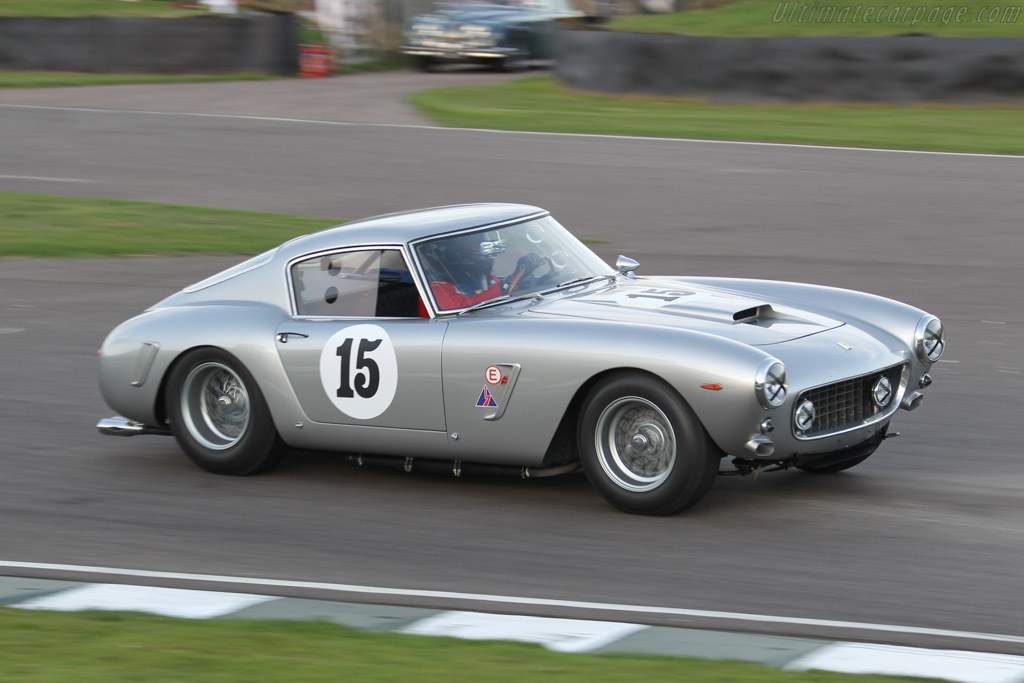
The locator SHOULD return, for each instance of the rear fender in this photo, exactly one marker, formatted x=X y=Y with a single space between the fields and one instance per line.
x=246 y=331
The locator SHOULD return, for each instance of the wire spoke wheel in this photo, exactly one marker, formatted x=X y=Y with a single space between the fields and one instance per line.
x=635 y=442
x=642 y=446
x=215 y=405
x=219 y=416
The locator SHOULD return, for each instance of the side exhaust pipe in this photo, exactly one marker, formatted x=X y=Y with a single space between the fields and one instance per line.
x=122 y=426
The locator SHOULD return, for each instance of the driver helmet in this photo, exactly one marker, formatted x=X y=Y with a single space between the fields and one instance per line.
x=467 y=260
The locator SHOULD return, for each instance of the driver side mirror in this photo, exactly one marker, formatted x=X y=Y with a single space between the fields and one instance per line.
x=626 y=265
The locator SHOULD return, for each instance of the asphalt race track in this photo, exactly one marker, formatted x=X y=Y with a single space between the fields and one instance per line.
x=928 y=533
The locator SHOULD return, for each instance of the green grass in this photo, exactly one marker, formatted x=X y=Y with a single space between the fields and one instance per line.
x=79 y=8
x=48 y=226
x=836 y=17
x=100 y=647
x=541 y=104
x=59 y=79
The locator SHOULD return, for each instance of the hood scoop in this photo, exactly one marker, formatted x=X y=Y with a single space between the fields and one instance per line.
x=745 y=319
x=712 y=309
x=752 y=315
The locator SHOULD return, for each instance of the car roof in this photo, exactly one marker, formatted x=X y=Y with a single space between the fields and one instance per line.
x=407 y=226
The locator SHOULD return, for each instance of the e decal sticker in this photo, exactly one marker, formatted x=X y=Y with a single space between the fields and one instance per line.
x=493 y=375
x=359 y=371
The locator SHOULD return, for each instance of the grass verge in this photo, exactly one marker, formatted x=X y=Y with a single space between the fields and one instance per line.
x=541 y=104
x=60 y=79
x=81 y=8
x=107 y=646
x=48 y=226
x=969 y=18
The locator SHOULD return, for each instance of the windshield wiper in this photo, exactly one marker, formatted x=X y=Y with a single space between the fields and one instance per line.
x=503 y=299
x=577 y=281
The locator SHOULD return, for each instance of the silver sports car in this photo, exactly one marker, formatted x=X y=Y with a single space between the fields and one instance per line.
x=486 y=337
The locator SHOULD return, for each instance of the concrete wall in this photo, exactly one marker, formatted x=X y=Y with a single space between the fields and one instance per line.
x=260 y=43
x=827 y=69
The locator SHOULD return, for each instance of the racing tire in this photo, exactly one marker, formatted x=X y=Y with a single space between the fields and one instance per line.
x=643 y=448
x=514 y=63
x=219 y=416
x=834 y=467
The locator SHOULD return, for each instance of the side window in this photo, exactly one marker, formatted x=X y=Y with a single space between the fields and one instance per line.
x=364 y=284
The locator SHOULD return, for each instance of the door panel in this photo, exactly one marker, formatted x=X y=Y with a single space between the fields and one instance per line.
x=373 y=371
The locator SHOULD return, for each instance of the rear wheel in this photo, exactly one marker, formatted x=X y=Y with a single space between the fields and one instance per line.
x=219 y=416
x=643 y=448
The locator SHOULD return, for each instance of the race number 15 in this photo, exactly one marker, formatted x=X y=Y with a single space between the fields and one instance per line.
x=367 y=377
x=666 y=295
x=359 y=371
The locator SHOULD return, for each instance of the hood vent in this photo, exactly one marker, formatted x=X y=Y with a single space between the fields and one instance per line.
x=754 y=315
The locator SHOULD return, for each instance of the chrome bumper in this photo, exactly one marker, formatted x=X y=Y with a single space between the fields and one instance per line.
x=122 y=426
x=455 y=52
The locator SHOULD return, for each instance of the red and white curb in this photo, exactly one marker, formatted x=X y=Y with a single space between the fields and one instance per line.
x=562 y=635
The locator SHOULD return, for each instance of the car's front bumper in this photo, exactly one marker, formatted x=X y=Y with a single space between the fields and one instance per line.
x=455 y=52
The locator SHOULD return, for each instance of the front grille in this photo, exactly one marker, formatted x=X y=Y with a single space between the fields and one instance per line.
x=848 y=403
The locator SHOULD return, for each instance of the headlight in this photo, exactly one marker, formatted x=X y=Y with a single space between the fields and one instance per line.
x=881 y=392
x=930 y=339
x=424 y=28
x=770 y=383
x=803 y=418
x=470 y=28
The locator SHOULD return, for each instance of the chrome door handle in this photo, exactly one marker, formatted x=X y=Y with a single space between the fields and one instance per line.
x=283 y=336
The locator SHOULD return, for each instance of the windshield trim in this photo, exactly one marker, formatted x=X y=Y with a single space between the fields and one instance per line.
x=414 y=252
x=431 y=301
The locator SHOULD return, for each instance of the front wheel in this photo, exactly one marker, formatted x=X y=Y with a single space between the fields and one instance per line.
x=219 y=416
x=643 y=448
x=513 y=63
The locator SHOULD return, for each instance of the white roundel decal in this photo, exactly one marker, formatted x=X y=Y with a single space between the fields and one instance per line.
x=359 y=371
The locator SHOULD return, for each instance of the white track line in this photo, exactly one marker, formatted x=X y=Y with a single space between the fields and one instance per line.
x=508 y=599
x=282 y=119
x=45 y=178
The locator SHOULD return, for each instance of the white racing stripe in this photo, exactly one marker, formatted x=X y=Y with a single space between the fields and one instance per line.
x=508 y=599
x=284 y=119
x=951 y=665
x=561 y=635
x=170 y=602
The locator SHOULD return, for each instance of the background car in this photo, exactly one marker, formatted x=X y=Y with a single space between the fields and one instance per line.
x=505 y=34
x=487 y=336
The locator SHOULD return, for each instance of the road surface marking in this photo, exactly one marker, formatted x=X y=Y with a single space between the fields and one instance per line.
x=283 y=119
x=170 y=602
x=45 y=178
x=516 y=600
x=952 y=665
x=561 y=635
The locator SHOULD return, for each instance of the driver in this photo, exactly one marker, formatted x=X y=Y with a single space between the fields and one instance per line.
x=460 y=270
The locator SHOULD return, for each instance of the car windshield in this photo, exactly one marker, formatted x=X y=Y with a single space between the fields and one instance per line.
x=470 y=268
